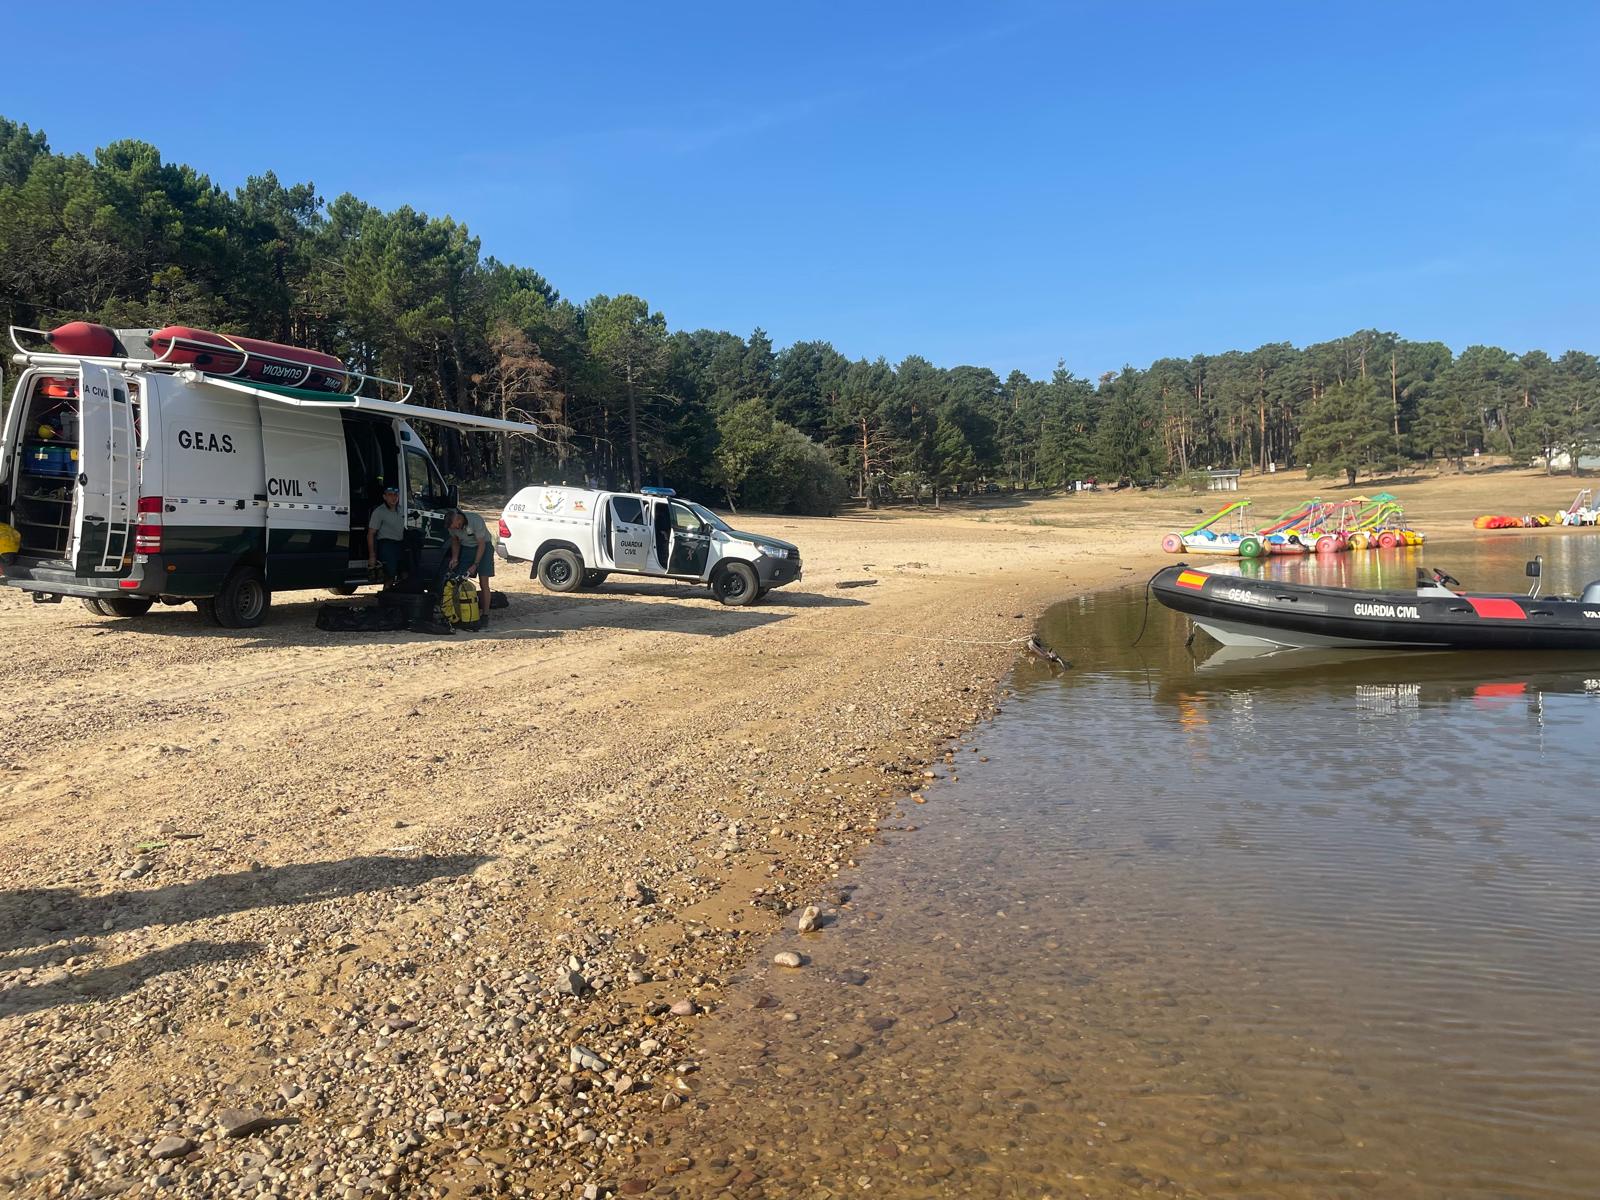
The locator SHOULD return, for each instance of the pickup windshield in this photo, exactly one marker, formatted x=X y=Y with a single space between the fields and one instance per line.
x=709 y=517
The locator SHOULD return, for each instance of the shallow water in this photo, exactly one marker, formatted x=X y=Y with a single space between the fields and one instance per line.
x=1186 y=922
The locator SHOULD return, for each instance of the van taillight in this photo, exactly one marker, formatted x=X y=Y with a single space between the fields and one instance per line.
x=505 y=530
x=147 y=533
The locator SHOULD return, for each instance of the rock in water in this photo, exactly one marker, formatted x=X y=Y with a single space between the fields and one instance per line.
x=787 y=958
x=810 y=919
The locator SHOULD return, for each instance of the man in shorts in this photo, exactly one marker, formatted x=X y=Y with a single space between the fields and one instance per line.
x=471 y=554
x=386 y=535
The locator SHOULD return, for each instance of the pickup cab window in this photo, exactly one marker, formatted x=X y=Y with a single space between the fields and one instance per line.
x=685 y=519
x=628 y=510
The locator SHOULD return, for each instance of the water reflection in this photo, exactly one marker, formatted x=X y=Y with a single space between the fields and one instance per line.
x=1294 y=925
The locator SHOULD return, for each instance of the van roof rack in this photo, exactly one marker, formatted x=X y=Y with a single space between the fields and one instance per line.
x=356 y=383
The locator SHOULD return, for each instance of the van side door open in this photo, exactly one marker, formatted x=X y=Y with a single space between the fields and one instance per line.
x=629 y=538
x=308 y=497
x=107 y=476
x=425 y=501
x=691 y=542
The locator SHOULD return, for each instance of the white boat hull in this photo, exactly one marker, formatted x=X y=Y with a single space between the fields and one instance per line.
x=1234 y=633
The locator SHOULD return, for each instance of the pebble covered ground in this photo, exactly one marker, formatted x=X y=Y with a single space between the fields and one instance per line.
x=294 y=913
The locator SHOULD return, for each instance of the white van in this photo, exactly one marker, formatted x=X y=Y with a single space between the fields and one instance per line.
x=575 y=537
x=132 y=480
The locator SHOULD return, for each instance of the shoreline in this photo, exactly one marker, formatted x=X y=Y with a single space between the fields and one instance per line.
x=375 y=890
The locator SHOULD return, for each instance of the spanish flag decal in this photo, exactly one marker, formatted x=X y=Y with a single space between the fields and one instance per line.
x=1191 y=579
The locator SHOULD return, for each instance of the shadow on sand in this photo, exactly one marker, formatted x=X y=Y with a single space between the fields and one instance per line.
x=38 y=917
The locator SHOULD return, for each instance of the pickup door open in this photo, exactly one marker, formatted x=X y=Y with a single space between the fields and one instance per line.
x=691 y=543
x=629 y=540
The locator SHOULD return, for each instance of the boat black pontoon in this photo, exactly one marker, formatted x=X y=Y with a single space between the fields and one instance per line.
x=1267 y=612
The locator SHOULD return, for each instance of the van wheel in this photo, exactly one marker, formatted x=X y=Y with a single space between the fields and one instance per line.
x=126 y=606
x=736 y=585
x=95 y=606
x=243 y=601
x=594 y=578
x=344 y=589
x=561 y=571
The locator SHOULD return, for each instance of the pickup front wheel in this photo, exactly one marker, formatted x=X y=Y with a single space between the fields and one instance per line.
x=736 y=584
x=561 y=571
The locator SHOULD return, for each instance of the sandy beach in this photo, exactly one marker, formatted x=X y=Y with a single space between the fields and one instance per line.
x=286 y=912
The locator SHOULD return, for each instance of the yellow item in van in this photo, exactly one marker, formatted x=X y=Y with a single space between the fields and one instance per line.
x=10 y=539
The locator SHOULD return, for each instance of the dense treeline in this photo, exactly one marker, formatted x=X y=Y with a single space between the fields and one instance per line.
x=129 y=240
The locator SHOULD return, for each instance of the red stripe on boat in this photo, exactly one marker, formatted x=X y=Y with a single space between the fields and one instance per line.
x=1500 y=689
x=1495 y=606
x=1191 y=579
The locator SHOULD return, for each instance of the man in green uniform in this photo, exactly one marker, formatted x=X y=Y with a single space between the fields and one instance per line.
x=386 y=533
x=471 y=554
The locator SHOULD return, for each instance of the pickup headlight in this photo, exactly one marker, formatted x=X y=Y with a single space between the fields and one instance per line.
x=775 y=552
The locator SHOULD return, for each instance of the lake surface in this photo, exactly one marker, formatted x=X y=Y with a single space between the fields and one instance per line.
x=1192 y=923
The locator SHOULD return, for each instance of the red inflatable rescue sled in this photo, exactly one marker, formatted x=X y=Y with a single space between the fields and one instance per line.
x=84 y=338
x=250 y=358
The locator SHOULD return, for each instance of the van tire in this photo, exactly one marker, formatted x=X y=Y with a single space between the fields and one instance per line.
x=561 y=571
x=94 y=607
x=594 y=578
x=244 y=601
x=344 y=589
x=736 y=585
x=126 y=606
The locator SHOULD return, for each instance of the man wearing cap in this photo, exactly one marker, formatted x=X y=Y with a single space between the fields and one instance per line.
x=386 y=532
x=471 y=554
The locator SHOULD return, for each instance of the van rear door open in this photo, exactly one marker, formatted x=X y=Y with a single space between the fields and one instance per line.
x=106 y=483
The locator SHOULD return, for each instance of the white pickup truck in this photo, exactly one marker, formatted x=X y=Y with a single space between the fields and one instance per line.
x=575 y=537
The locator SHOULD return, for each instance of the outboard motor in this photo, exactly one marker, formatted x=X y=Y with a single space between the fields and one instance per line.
x=1591 y=593
x=1533 y=570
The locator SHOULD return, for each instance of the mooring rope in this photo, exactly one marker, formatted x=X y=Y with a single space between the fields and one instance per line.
x=1145 y=620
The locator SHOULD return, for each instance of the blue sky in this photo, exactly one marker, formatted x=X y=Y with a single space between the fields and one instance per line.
x=1003 y=184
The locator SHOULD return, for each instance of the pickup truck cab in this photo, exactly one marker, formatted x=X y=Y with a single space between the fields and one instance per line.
x=575 y=537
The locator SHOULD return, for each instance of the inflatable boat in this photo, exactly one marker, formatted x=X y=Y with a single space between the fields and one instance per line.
x=1238 y=611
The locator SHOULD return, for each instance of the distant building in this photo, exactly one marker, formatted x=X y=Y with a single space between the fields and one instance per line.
x=1561 y=460
x=1223 y=481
